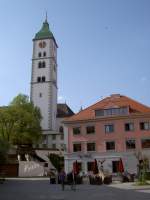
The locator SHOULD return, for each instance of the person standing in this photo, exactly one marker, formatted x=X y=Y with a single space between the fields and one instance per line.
x=62 y=177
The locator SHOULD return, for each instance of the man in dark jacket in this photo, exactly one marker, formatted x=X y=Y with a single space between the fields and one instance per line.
x=62 y=177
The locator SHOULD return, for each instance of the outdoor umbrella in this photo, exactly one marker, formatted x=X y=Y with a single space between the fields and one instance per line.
x=95 y=167
x=120 y=166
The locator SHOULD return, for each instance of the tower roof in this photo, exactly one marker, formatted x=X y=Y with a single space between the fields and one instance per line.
x=44 y=32
x=63 y=110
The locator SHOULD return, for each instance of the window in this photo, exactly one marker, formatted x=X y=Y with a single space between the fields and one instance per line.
x=53 y=137
x=144 y=125
x=61 y=129
x=39 y=54
x=40 y=94
x=109 y=128
x=91 y=146
x=110 y=145
x=76 y=147
x=54 y=67
x=129 y=127
x=111 y=111
x=90 y=129
x=44 y=54
x=53 y=146
x=145 y=143
x=62 y=146
x=45 y=164
x=90 y=166
x=44 y=145
x=43 y=78
x=62 y=136
x=42 y=44
x=43 y=64
x=38 y=79
x=39 y=65
x=130 y=144
x=76 y=130
x=99 y=113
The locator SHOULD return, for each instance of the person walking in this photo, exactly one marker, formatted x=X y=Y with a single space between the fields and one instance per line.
x=62 y=177
x=71 y=179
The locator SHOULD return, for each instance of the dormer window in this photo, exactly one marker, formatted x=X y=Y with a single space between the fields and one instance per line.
x=111 y=112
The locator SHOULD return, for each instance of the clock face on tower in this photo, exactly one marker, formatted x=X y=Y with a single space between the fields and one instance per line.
x=42 y=44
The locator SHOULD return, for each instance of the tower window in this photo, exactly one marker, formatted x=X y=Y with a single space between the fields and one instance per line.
x=39 y=65
x=40 y=94
x=54 y=68
x=39 y=54
x=44 y=54
x=43 y=64
x=38 y=79
x=42 y=44
x=43 y=78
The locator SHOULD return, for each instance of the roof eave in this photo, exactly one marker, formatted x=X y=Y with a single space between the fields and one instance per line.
x=135 y=115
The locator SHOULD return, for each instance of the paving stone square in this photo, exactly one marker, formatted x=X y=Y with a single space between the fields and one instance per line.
x=42 y=190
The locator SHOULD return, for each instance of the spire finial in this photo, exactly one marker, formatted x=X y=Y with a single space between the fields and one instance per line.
x=46 y=17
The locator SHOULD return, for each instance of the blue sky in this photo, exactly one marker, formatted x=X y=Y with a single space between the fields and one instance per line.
x=104 y=48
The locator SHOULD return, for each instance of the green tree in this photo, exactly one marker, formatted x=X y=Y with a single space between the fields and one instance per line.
x=8 y=119
x=56 y=160
x=20 y=121
x=4 y=147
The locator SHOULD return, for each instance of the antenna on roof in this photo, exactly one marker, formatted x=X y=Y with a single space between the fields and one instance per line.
x=81 y=109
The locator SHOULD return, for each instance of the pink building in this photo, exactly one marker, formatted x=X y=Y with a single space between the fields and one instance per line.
x=113 y=128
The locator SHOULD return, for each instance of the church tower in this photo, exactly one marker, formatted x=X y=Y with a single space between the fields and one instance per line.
x=44 y=77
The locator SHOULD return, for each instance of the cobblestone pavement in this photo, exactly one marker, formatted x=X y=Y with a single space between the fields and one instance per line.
x=42 y=190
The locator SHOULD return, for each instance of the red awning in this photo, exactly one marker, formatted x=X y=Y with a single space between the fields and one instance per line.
x=95 y=167
x=120 y=166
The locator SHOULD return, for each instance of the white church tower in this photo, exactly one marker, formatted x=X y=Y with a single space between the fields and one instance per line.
x=44 y=78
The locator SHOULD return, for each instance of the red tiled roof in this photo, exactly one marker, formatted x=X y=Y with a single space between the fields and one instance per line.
x=110 y=102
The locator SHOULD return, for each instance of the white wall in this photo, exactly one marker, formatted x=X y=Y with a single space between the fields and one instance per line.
x=30 y=168
x=48 y=102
